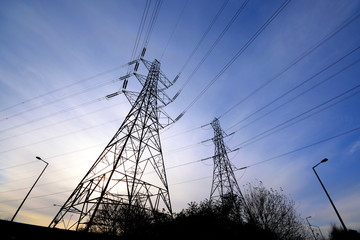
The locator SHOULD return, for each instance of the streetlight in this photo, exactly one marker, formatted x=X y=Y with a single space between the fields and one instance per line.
x=322 y=236
x=310 y=226
x=65 y=225
x=327 y=194
x=39 y=158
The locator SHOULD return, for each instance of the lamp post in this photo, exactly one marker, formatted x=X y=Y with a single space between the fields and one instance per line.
x=322 y=236
x=39 y=158
x=310 y=226
x=327 y=194
x=65 y=225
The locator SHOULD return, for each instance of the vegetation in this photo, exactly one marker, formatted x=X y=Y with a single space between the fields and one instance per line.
x=259 y=214
x=338 y=233
x=271 y=210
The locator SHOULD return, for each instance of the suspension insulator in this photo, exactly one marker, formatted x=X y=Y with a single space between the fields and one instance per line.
x=125 y=84
x=136 y=66
x=143 y=52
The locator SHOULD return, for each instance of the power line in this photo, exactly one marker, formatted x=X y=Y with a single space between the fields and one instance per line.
x=183 y=132
x=269 y=159
x=235 y=57
x=60 y=122
x=65 y=87
x=61 y=155
x=232 y=20
x=302 y=114
x=204 y=36
x=38 y=196
x=21 y=179
x=90 y=147
x=190 y=181
x=300 y=148
x=305 y=81
x=18 y=165
x=56 y=193
x=43 y=184
x=257 y=163
x=14 y=190
x=76 y=151
x=29 y=209
x=303 y=118
x=344 y=24
x=300 y=94
x=174 y=29
x=140 y=30
x=86 y=129
x=304 y=147
x=53 y=114
x=60 y=99
x=60 y=136
x=152 y=23
x=330 y=35
x=171 y=167
x=183 y=148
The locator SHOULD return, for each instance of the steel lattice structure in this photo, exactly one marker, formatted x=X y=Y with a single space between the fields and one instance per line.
x=224 y=181
x=130 y=170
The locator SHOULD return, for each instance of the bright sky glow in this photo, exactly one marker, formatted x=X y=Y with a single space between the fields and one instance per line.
x=292 y=97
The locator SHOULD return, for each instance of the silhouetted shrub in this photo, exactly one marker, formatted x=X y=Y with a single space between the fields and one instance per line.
x=338 y=233
x=259 y=214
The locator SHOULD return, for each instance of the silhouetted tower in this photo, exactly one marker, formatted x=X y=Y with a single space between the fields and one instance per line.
x=130 y=171
x=224 y=181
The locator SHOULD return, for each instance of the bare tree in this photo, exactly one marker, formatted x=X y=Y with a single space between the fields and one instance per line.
x=271 y=210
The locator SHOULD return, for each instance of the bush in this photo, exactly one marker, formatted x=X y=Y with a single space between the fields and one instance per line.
x=338 y=233
x=259 y=214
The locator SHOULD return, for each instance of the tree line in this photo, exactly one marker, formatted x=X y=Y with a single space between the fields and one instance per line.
x=260 y=213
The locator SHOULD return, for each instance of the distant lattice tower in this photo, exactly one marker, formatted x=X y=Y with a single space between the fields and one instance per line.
x=224 y=181
x=130 y=170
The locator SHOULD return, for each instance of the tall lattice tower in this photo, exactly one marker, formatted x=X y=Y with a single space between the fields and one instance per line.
x=224 y=181
x=130 y=172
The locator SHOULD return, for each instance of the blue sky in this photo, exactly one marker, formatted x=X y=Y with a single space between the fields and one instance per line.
x=47 y=46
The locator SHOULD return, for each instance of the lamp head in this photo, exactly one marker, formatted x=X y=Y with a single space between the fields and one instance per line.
x=324 y=160
x=39 y=158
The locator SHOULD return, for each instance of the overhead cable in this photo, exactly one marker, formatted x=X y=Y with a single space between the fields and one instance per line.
x=204 y=36
x=65 y=87
x=304 y=147
x=306 y=81
x=235 y=57
x=174 y=29
x=344 y=24
x=232 y=20
x=304 y=113
x=298 y=95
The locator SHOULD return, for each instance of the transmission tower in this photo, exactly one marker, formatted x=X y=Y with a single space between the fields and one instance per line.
x=130 y=171
x=224 y=182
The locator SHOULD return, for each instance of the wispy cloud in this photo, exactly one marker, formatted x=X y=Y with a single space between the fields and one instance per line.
x=354 y=147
